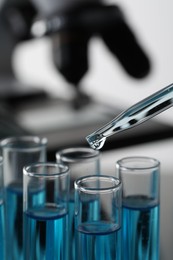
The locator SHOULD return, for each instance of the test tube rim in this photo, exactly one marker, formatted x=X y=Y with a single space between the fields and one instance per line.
x=117 y=184
x=11 y=143
x=90 y=154
x=30 y=173
x=154 y=163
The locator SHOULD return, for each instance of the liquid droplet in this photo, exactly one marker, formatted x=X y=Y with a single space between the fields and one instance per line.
x=96 y=142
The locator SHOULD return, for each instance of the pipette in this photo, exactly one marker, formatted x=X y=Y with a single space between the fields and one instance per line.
x=133 y=116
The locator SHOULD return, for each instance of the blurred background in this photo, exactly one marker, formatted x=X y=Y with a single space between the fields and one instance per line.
x=69 y=67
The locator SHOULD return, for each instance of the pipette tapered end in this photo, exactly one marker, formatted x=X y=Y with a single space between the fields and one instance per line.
x=96 y=141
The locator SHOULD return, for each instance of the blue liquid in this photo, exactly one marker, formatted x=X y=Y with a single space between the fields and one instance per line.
x=140 y=229
x=71 y=230
x=46 y=233
x=14 y=222
x=98 y=241
x=14 y=219
x=91 y=210
x=2 y=232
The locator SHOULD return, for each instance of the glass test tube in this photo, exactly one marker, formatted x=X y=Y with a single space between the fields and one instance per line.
x=140 y=178
x=17 y=152
x=82 y=161
x=46 y=190
x=98 y=201
x=2 y=214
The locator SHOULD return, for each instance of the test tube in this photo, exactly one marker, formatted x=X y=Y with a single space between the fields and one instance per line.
x=45 y=206
x=17 y=152
x=2 y=214
x=81 y=161
x=140 y=178
x=98 y=201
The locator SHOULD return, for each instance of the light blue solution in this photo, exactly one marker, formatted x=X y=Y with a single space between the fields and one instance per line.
x=71 y=230
x=46 y=233
x=2 y=232
x=91 y=209
x=14 y=221
x=14 y=218
x=98 y=241
x=140 y=229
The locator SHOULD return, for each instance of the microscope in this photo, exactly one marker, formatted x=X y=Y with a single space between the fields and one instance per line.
x=70 y=24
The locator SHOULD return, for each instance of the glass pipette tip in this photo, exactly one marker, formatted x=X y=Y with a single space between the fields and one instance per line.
x=133 y=116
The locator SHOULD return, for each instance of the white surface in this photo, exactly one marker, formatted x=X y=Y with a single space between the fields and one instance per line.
x=163 y=151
